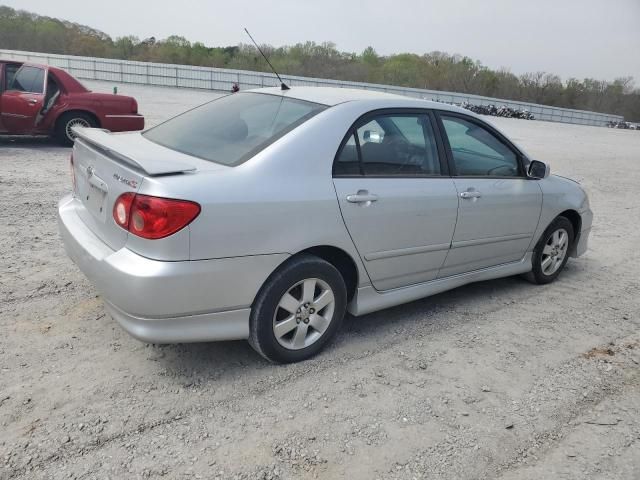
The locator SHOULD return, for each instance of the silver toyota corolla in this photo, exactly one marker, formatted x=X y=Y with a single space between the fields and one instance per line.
x=266 y=215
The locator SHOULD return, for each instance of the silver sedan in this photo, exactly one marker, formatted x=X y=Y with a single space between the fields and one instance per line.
x=267 y=215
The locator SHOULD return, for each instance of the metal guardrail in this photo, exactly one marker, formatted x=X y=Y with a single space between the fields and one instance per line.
x=220 y=79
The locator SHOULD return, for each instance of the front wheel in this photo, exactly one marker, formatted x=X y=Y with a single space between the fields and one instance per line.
x=64 y=126
x=298 y=310
x=552 y=252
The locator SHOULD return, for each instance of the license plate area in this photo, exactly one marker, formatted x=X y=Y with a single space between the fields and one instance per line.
x=97 y=188
x=94 y=201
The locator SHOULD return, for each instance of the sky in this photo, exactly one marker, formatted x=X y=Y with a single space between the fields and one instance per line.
x=571 y=38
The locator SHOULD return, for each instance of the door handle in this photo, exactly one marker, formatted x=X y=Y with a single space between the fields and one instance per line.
x=470 y=194
x=32 y=101
x=362 y=197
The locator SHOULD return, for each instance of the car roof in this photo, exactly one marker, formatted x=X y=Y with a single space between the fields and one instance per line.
x=335 y=95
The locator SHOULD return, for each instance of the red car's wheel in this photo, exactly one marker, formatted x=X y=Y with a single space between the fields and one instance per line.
x=64 y=126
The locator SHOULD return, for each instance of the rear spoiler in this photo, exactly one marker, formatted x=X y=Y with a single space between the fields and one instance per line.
x=142 y=155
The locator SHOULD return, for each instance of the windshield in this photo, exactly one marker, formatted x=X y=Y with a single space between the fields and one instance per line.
x=233 y=128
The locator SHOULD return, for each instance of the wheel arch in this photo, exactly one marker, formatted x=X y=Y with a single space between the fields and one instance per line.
x=576 y=221
x=340 y=259
x=65 y=113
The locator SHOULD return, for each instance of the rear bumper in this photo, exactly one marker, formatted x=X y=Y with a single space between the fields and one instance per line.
x=166 y=302
x=122 y=123
x=227 y=325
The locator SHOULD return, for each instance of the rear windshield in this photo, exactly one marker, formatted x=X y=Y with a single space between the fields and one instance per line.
x=233 y=128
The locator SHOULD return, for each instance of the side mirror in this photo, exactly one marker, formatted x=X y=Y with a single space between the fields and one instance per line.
x=538 y=169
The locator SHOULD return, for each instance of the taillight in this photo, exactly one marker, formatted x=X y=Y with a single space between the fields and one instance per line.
x=134 y=106
x=122 y=209
x=153 y=217
x=73 y=173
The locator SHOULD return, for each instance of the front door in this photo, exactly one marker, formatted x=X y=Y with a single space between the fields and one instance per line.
x=23 y=100
x=396 y=198
x=499 y=207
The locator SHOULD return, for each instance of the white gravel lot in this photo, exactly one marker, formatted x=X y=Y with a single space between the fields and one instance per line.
x=500 y=379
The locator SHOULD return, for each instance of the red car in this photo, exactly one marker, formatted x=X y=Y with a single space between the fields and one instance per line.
x=43 y=100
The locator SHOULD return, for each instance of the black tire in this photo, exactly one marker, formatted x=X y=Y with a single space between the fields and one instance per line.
x=266 y=309
x=537 y=274
x=81 y=118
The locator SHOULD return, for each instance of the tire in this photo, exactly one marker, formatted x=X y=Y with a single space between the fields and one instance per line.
x=63 y=132
x=551 y=252
x=296 y=331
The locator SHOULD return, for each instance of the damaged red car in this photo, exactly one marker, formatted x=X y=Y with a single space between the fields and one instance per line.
x=44 y=100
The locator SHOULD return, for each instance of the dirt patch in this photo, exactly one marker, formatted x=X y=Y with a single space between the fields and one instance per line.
x=599 y=352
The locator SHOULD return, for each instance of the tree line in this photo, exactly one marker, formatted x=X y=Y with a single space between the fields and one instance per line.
x=21 y=30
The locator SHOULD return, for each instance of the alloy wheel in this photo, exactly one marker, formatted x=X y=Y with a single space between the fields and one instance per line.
x=303 y=314
x=555 y=251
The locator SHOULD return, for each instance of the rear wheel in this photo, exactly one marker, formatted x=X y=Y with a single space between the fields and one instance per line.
x=552 y=252
x=298 y=310
x=64 y=126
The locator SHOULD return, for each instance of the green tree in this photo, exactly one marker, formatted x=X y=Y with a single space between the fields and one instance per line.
x=22 y=30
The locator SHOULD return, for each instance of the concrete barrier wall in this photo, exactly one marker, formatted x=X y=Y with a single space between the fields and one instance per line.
x=186 y=76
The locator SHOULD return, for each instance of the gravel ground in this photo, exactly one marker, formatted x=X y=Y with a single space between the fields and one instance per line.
x=499 y=379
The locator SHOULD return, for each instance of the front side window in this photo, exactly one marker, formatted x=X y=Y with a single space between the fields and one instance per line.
x=233 y=128
x=390 y=145
x=28 y=79
x=478 y=152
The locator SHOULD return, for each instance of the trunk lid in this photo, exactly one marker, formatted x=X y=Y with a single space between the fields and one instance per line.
x=107 y=165
x=137 y=152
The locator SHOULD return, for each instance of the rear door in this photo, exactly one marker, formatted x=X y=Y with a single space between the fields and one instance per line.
x=396 y=197
x=499 y=206
x=23 y=99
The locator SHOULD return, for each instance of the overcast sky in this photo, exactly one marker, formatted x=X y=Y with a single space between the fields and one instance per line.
x=579 y=38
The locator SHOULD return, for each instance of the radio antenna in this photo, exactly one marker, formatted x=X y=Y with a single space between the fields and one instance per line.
x=283 y=86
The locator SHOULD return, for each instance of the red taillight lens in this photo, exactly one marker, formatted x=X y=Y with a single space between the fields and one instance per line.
x=73 y=173
x=134 y=106
x=122 y=209
x=153 y=217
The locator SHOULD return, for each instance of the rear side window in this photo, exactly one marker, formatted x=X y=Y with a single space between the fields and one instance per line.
x=387 y=145
x=28 y=79
x=348 y=162
x=234 y=128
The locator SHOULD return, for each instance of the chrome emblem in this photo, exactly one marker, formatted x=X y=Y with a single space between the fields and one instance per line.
x=126 y=181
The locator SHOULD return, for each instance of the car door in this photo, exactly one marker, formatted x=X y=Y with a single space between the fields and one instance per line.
x=3 y=77
x=7 y=72
x=396 y=197
x=499 y=206
x=23 y=100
